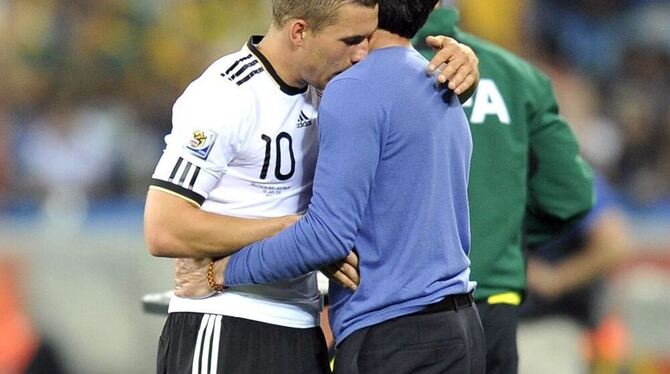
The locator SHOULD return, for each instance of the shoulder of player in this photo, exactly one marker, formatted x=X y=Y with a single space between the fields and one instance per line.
x=224 y=74
x=215 y=102
x=213 y=89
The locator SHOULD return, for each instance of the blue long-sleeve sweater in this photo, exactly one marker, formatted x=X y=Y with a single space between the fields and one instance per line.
x=391 y=181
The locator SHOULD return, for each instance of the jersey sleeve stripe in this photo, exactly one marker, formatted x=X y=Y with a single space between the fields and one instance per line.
x=180 y=191
x=194 y=178
x=176 y=168
x=185 y=173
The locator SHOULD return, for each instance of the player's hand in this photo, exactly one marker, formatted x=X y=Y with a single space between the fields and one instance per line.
x=457 y=63
x=191 y=278
x=344 y=272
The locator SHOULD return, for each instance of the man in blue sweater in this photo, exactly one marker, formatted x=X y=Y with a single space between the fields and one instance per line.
x=390 y=181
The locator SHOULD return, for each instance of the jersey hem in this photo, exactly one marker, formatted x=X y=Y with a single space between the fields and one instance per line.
x=295 y=315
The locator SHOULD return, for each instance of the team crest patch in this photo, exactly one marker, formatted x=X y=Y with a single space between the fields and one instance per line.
x=201 y=143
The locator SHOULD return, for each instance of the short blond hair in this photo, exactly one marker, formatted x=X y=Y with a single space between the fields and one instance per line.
x=318 y=13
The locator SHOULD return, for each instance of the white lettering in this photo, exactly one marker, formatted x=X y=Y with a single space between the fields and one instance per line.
x=487 y=101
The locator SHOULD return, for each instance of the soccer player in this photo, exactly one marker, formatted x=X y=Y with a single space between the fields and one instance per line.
x=527 y=180
x=391 y=181
x=243 y=146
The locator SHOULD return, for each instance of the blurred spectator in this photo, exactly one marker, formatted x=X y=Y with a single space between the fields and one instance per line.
x=639 y=100
x=67 y=155
x=600 y=140
x=620 y=52
x=648 y=24
x=84 y=74
x=565 y=285
x=610 y=56
x=584 y=32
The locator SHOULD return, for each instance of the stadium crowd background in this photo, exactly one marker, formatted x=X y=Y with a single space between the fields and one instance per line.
x=86 y=97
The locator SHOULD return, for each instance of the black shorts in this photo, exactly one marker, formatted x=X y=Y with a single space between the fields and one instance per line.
x=446 y=337
x=214 y=344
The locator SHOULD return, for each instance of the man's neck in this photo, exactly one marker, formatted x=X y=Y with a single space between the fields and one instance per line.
x=384 y=39
x=274 y=50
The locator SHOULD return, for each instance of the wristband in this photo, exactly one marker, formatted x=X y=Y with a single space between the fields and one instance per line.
x=210 y=278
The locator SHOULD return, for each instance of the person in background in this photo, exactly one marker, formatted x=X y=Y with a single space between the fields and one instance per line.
x=565 y=285
x=528 y=182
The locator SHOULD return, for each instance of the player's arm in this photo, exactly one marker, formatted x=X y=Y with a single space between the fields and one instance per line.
x=175 y=227
x=192 y=275
x=560 y=185
x=457 y=63
x=211 y=122
x=607 y=244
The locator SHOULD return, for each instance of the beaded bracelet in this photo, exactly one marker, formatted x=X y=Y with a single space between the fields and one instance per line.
x=210 y=278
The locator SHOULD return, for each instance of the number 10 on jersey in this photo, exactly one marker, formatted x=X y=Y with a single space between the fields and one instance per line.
x=281 y=142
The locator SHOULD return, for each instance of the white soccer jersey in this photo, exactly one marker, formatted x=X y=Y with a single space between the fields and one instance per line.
x=244 y=143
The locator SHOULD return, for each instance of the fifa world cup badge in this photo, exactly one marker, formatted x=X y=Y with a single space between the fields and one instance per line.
x=201 y=143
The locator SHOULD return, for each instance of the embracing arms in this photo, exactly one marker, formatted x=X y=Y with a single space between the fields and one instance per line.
x=173 y=227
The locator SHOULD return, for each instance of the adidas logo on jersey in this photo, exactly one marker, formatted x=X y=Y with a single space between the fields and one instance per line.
x=303 y=120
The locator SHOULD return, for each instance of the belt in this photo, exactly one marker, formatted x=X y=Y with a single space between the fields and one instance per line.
x=449 y=303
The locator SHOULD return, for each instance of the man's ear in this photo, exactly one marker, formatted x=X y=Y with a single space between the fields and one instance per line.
x=297 y=30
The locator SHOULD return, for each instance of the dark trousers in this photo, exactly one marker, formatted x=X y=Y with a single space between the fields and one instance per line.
x=444 y=338
x=196 y=343
x=500 y=323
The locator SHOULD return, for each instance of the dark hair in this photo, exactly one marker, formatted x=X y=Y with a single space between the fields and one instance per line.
x=319 y=13
x=404 y=17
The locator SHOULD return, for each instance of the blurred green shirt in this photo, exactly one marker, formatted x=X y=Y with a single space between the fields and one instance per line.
x=528 y=182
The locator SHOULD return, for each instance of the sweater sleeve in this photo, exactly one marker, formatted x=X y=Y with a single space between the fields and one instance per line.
x=560 y=181
x=350 y=133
